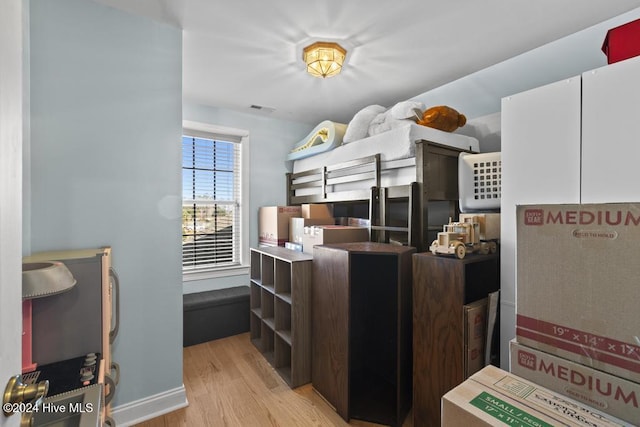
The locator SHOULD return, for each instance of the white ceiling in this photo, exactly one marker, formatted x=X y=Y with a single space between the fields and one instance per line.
x=249 y=52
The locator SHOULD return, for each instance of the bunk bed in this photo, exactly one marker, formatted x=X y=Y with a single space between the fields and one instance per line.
x=412 y=164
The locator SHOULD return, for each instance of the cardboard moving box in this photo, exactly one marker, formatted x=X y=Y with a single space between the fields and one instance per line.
x=297 y=225
x=317 y=211
x=493 y=397
x=355 y=222
x=273 y=224
x=577 y=284
x=325 y=234
x=613 y=395
x=475 y=335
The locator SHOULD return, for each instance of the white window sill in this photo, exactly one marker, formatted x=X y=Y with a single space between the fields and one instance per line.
x=239 y=270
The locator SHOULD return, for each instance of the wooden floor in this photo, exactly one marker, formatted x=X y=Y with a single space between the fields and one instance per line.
x=229 y=383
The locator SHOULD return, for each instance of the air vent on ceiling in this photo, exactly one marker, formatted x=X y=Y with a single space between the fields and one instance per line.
x=262 y=108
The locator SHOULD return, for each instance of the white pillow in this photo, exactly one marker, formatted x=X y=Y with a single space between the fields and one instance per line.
x=385 y=122
x=407 y=110
x=358 y=127
x=379 y=123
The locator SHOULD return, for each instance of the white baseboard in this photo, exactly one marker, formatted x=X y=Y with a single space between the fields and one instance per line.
x=150 y=407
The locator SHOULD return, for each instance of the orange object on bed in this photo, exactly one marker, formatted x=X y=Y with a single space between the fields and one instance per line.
x=442 y=118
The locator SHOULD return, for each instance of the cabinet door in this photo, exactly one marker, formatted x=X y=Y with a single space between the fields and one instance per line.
x=610 y=129
x=330 y=299
x=540 y=164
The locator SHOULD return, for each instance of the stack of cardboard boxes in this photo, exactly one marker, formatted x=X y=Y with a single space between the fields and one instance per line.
x=578 y=300
x=576 y=356
x=301 y=227
x=311 y=215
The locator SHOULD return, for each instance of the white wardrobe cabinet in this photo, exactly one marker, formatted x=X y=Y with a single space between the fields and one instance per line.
x=573 y=141
x=611 y=133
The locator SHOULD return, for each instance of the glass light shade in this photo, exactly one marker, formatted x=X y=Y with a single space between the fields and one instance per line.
x=324 y=59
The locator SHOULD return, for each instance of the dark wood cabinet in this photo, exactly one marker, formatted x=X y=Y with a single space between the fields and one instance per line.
x=441 y=287
x=361 y=330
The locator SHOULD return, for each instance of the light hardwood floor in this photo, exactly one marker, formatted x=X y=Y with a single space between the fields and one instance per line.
x=229 y=383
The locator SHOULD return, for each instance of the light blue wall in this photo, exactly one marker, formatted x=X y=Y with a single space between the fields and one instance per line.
x=480 y=93
x=106 y=116
x=270 y=141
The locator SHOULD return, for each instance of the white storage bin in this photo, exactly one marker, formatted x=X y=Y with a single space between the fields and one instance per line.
x=479 y=181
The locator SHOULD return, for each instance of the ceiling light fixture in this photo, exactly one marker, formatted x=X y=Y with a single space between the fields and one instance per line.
x=324 y=59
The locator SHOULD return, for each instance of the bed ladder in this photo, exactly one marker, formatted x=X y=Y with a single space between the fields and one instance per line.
x=380 y=214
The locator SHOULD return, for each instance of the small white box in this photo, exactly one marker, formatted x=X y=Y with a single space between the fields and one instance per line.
x=297 y=225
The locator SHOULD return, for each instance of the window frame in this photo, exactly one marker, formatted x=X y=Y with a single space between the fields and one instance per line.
x=209 y=131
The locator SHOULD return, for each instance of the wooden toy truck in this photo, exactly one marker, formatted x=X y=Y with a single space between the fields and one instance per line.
x=460 y=238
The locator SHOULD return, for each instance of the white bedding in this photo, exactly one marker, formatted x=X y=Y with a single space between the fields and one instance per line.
x=398 y=143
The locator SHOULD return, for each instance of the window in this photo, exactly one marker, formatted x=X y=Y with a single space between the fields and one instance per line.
x=211 y=200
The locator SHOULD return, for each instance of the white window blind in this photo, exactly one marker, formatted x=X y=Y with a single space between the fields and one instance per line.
x=210 y=201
